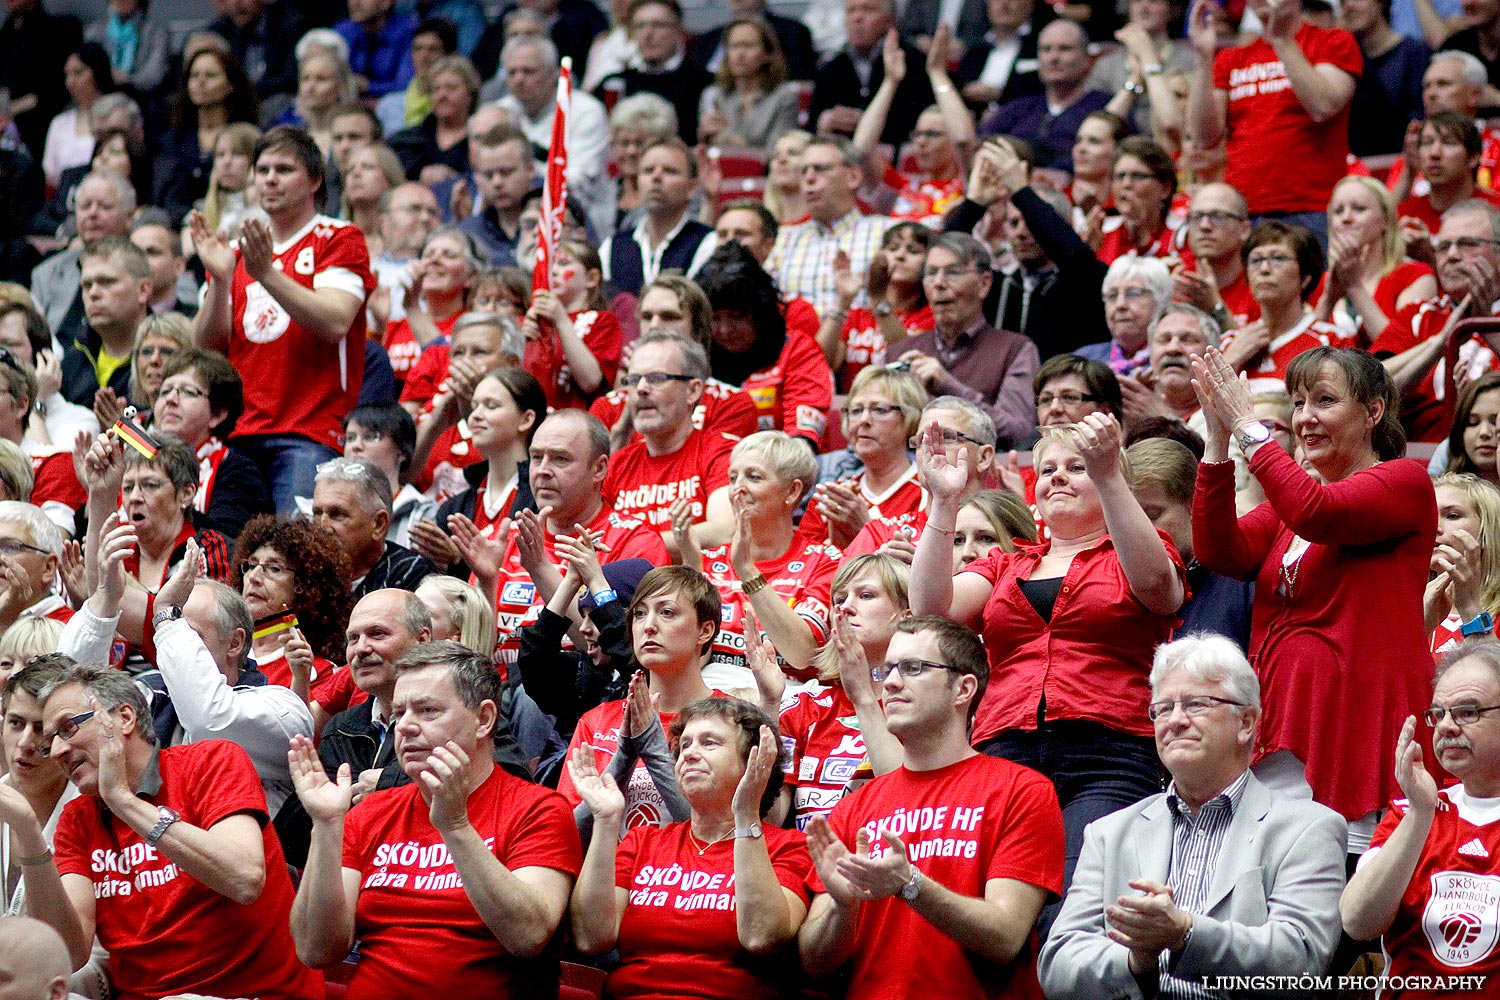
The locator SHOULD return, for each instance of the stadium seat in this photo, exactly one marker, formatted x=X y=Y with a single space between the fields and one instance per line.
x=581 y=982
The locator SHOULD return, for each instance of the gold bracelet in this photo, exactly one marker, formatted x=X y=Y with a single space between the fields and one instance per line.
x=35 y=859
x=755 y=584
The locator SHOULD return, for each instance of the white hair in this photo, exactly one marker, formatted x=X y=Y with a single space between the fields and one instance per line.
x=125 y=189
x=1209 y=658
x=44 y=534
x=1147 y=270
x=324 y=38
x=543 y=45
x=1472 y=70
x=374 y=488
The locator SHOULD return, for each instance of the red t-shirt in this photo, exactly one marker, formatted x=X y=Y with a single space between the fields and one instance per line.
x=1269 y=129
x=864 y=343
x=802 y=318
x=1268 y=373
x=1420 y=206
x=424 y=377
x=824 y=749
x=414 y=921
x=645 y=486
x=724 y=409
x=903 y=498
x=883 y=529
x=401 y=344
x=1448 y=923
x=599 y=730
x=1485 y=176
x=517 y=601
x=600 y=333
x=53 y=480
x=921 y=199
x=165 y=931
x=1240 y=303
x=296 y=382
x=678 y=937
x=802 y=577
x=339 y=693
x=1117 y=242
x=1091 y=661
x=794 y=394
x=979 y=819
x=1427 y=409
x=452 y=453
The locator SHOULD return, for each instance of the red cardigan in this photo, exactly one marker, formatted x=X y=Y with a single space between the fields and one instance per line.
x=1343 y=658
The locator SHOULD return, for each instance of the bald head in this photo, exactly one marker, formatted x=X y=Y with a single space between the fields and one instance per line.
x=34 y=962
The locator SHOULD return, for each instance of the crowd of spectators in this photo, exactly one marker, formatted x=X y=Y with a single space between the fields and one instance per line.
x=987 y=498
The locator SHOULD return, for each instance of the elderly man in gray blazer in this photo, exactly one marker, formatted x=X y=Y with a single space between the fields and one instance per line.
x=1218 y=876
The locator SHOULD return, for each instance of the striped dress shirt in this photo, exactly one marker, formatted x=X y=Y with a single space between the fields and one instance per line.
x=1196 y=842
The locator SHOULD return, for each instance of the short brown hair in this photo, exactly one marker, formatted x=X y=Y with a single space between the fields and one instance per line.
x=692 y=585
x=747 y=720
x=959 y=646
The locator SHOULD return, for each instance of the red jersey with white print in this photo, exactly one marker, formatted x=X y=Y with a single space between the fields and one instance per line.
x=1269 y=129
x=54 y=481
x=679 y=938
x=794 y=394
x=1117 y=242
x=424 y=377
x=1267 y=372
x=802 y=577
x=884 y=529
x=824 y=749
x=166 y=932
x=724 y=409
x=414 y=920
x=599 y=730
x=517 y=601
x=920 y=199
x=979 y=819
x=1427 y=409
x=401 y=344
x=1447 y=635
x=865 y=345
x=1419 y=206
x=903 y=497
x=600 y=333
x=296 y=382
x=645 y=486
x=1448 y=922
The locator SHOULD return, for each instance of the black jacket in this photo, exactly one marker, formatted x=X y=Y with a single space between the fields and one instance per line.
x=837 y=83
x=79 y=380
x=239 y=494
x=567 y=684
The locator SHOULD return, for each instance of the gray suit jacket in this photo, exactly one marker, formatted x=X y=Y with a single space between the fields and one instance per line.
x=1273 y=903
x=54 y=285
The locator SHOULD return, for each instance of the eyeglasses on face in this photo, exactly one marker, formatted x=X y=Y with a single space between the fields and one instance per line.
x=65 y=731
x=652 y=379
x=1046 y=399
x=1132 y=294
x=182 y=391
x=274 y=570
x=14 y=547
x=1462 y=715
x=876 y=411
x=1214 y=217
x=1194 y=705
x=1465 y=244
x=909 y=668
x=1274 y=259
x=1135 y=176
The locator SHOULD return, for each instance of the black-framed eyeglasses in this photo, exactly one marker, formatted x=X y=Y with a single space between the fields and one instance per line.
x=652 y=378
x=1462 y=715
x=182 y=391
x=950 y=437
x=1194 y=705
x=65 y=731
x=274 y=570
x=877 y=411
x=14 y=547
x=1046 y=399
x=9 y=360
x=909 y=668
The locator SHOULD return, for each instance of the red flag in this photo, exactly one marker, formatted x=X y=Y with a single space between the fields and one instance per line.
x=549 y=230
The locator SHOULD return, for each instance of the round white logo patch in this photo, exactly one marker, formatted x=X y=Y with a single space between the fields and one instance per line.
x=1462 y=919
x=265 y=320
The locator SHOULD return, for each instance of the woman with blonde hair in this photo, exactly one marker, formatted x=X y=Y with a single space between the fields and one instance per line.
x=159 y=336
x=749 y=103
x=229 y=188
x=16 y=477
x=989 y=520
x=459 y=612
x=30 y=636
x=324 y=82
x=1369 y=277
x=784 y=178
x=1464 y=588
x=373 y=170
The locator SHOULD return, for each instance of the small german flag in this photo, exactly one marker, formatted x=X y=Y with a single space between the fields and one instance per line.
x=129 y=430
x=274 y=624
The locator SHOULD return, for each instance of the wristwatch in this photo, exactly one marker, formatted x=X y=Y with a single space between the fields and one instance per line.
x=1252 y=434
x=753 y=831
x=913 y=886
x=755 y=585
x=1480 y=624
x=167 y=816
x=884 y=309
x=170 y=613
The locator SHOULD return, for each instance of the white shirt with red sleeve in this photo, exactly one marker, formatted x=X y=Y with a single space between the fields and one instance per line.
x=1268 y=374
x=414 y=920
x=1448 y=922
x=963 y=825
x=166 y=932
x=642 y=485
x=802 y=577
x=295 y=381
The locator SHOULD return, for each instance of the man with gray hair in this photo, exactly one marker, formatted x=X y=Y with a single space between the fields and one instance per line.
x=1219 y=875
x=1426 y=886
x=1178 y=334
x=352 y=498
x=168 y=853
x=963 y=355
x=409 y=213
x=103 y=207
x=30 y=551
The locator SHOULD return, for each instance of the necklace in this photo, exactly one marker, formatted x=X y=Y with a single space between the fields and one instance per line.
x=705 y=846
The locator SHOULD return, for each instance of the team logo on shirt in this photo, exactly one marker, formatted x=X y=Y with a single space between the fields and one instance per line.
x=795 y=567
x=1462 y=917
x=265 y=320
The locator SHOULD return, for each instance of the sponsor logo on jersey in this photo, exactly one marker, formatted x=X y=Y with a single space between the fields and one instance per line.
x=789 y=747
x=808 y=770
x=837 y=770
x=517 y=592
x=851 y=743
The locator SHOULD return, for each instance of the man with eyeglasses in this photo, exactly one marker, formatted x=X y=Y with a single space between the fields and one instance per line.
x=30 y=552
x=1429 y=886
x=168 y=854
x=1212 y=273
x=1415 y=346
x=931 y=878
x=1179 y=333
x=672 y=460
x=963 y=355
x=1218 y=875
x=408 y=214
